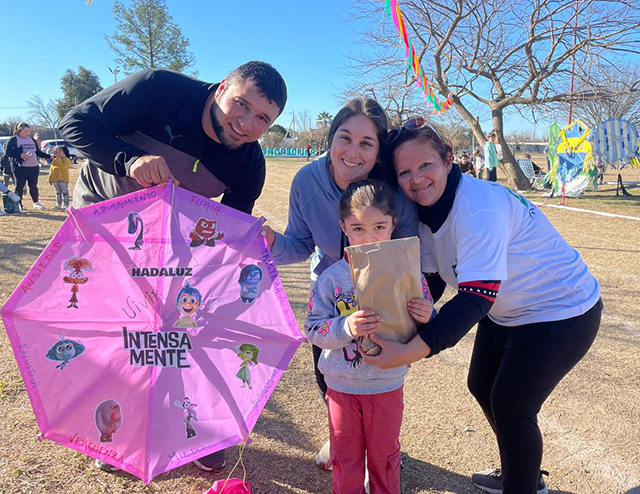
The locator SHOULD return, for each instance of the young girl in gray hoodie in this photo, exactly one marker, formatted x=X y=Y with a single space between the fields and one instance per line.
x=365 y=402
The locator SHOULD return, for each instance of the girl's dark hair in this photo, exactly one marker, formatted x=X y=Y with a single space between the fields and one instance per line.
x=362 y=105
x=19 y=126
x=65 y=150
x=424 y=135
x=367 y=193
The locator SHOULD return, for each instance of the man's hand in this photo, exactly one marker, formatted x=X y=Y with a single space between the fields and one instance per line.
x=363 y=322
x=269 y=236
x=395 y=354
x=151 y=170
x=420 y=309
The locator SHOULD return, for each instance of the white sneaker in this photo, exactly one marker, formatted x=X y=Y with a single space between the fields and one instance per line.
x=57 y=208
x=37 y=205
x=322 y=458
x=2 y=213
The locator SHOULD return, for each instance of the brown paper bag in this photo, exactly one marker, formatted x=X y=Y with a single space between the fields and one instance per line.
x=386 y=275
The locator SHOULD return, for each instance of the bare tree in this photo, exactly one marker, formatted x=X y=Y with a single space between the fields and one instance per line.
x=45 y=114
x=619 y=89
x=501 y=58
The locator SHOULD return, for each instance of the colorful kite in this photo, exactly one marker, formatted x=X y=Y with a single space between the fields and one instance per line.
x=149 y=348
x=575 y=169
x=392 y=9
x=615 y=141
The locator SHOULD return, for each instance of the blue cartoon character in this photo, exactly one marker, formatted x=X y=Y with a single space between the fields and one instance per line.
x=205 y=232
x=250 y=278
x=188 y=301
x=189 y=407
x=249 y=355
x=135 y=222
x=63 y=351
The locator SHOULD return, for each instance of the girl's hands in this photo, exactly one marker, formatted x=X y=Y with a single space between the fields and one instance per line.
x=269 y=236
x=420 y=309
x=363 y=322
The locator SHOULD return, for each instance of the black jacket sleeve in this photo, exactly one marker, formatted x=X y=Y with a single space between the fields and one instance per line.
x=458 y=316
x=93 y=126
x=13 y=150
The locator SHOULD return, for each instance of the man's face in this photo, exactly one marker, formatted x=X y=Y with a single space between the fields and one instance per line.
x=240 y=114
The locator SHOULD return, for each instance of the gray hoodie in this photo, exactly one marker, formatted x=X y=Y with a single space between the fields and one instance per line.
x=314 y=219
x=332 y=300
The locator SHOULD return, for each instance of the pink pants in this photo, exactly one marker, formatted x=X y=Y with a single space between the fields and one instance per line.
x=371 y=423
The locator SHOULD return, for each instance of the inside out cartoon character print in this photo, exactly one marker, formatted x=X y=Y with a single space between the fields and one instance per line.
x=205 y=232
x=346 y=304
x=108 y=419
x=190 y=409
x=250 y=278
x=64 y=350
x=76 y=266
x=248 y=353
x=135 y=223
x=188 y=301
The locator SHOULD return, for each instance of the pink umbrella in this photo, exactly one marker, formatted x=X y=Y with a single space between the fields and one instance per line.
x=152 y=330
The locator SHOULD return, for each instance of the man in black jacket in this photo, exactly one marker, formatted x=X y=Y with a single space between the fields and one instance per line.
x=158 y=124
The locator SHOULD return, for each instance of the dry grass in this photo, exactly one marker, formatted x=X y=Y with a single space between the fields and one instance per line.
x=590 y=423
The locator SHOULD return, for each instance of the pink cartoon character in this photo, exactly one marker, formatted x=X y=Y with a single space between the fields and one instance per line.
x=108 y=419
x=78 y=266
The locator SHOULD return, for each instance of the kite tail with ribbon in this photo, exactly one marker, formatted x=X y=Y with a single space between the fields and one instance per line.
x=392 y=9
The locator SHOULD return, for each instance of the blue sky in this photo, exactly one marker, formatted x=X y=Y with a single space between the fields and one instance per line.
x=307 y=41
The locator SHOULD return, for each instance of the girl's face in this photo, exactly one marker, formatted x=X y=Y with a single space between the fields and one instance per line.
x=354 y=150
x=24 y=132
x=246 y=355
x=58 y=153
x=422 y=173
x=368 y=225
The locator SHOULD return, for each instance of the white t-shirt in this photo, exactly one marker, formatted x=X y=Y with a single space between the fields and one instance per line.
x=492 y=233
x=28 y=145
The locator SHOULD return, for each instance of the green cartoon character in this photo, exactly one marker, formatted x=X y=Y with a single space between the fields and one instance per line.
x=249 y=355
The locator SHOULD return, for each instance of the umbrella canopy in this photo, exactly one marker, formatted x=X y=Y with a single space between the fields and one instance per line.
x=152 y=330
x=615 y=141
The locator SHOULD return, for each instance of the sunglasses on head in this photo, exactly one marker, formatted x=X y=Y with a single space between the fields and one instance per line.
x=414 y=123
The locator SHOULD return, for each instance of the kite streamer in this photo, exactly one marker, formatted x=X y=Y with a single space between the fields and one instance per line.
x=393 y=10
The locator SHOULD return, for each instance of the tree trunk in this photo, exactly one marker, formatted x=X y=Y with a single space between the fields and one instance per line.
x=515 y=176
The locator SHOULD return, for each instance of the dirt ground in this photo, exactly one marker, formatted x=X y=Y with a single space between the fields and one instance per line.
x=590 y=423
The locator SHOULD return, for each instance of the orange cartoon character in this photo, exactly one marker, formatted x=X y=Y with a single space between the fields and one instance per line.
x=205 y=232
x=78 y=266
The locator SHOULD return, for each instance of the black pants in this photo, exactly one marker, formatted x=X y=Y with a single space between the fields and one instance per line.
x=513 y=371
x=493 y=175
x=27 y=174
x=317 y=351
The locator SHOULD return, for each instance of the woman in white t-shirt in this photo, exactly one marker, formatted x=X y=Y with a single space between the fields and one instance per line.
x=536 y=304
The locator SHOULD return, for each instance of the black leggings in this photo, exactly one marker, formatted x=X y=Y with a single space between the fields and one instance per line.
x=513 y=371
x=27 y=174
x=317 y=351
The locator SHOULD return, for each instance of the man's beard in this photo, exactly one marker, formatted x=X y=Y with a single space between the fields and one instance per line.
x=220 y=131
